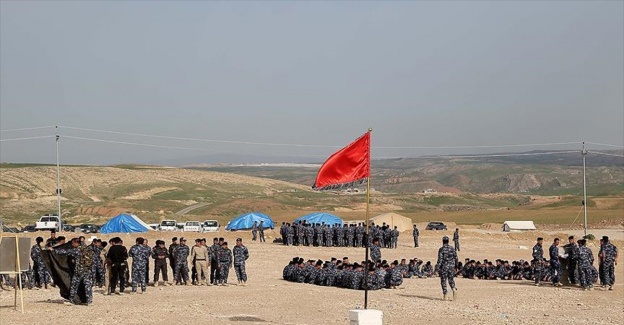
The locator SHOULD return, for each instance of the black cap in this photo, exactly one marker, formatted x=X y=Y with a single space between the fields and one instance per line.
x=174 y=238
x=540 y=238
x=182 y=239
x=605 y=238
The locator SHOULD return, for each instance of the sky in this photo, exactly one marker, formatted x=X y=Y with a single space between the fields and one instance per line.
x=421 y=74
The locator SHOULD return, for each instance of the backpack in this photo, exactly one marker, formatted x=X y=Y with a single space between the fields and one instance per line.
x=86 y=257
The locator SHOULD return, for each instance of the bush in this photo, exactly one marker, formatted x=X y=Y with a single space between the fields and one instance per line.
x=590 y=237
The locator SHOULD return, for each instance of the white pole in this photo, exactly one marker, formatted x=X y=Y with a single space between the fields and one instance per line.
x=584 y=153
x=58 y=181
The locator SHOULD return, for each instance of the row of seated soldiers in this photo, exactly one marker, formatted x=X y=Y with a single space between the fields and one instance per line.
x=503 y=270
x=365 y=275
x=321 y=234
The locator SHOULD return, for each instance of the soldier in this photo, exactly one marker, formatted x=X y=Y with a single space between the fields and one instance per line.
x=52 y=241
x=83 y=262
x=538 y=258
x=456 y=239
x=396 y=275
x=375 y=251
x=117 y=257
x=146 y=243
x=254 y=231
x=586 y=261
x=181 y=254
x=359 y=235
x=573 y=254
x=394 y=237
x=241 y=254
x=283 y=233
x=609 y=260
x=415 y=234
x=350 y=235
x=201 y=258
x=329 y=236
x=214 y=261
x=225 y=262
x=447 y=260
x=42 y=277
x=290 y=234
x=261 y=232
x=98 y=267
x=172 y=247
x=160 y=255
x=555 y=266
x=107 y=265
x=140 y=256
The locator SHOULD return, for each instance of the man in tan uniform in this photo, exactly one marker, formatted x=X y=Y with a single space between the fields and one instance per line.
x=199 y=254
x=107 y=265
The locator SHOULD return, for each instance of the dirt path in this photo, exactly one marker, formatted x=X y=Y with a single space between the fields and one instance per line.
x=191 y=208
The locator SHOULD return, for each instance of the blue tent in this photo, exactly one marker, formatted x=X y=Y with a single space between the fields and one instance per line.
x=246 y=221
x=124 y=223
x=320 y=217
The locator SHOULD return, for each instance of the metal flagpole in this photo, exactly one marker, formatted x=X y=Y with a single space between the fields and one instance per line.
x=368 y=237
x=58 y=181
x=584 y=153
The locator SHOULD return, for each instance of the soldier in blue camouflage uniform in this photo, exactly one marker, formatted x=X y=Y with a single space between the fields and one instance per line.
x=608 y=257
x=573 y=251
x=225 y=263
x=261 y=231
x=394 y=237
x=356 y=277
x=415 y=234
x=375 y=251
x=290 y=234
x=84 y=260
x=241 y=254
x=350 y=236
x=396 y=275
x=254 y=231
x=555 y=266
x=180 y=272
x=329 y=236
x=538 y=260
x=99 y=272
x=140 y=257
x=456 y=239
x=42 y=277
x=447 y=260
x=586 y=261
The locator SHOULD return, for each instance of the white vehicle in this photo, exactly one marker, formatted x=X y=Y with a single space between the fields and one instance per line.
x=154 y=226
x=168 y=225
x=48 y=222
x=193 y=226
x=210 y=226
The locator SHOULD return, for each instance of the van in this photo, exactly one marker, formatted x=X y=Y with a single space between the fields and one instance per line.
x=192 y=226
x=168 y=225
x=210 y=226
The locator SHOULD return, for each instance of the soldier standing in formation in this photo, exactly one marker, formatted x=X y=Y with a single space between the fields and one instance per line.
x=200 y=255
x=585 y=264
x=42 y=277
x=572 y=249
x=225 y=262
x=214 y=260
x=241 y=254
x=538 y=260
x=456 y=239
x=160 y=255
x=140 y=257
x=415 y=234
x=608 y=259
x=174 y=244
x=447 y=260
x=180 y=256
x=375 y=251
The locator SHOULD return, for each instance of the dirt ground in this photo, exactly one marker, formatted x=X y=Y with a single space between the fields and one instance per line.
x=270 y=300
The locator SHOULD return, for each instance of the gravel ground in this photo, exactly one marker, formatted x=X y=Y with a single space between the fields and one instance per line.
x=269 y=300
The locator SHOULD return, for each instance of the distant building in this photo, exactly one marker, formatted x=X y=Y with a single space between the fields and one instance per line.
x=429 y=191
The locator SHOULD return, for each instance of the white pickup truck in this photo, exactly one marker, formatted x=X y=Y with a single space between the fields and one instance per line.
x=210 y=226
x=48 y=222
x=193 y=226
x=168 y=225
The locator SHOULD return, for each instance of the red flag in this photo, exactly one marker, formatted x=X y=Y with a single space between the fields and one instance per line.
x=348 y=165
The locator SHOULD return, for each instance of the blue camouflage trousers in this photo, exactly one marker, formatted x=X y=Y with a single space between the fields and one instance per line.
x=241 y=273
x=447 y=274
x=85 y=280
x=138 y=277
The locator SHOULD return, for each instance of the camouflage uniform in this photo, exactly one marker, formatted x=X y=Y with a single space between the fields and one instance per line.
x=394 y=238
x=84 y=260
x=309 y=235
x=356 y=280
x=456 y=239
x=225 y=262
x=241 y=254
x=340 y=236
x=375 y=253
x=350 y=236
x=586 y=261
x=180 y=272
x=329 y=236
x=140 y=257
x=41 y=275
x=254 y=232
x=359 y=236
x=99 y=272
x=609 y=254
x=415 y=234
x=290 y=235
x=555 y=266
x=538 y=260
x=447 y=259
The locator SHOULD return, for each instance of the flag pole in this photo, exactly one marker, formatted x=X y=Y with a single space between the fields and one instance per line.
x=368 y=238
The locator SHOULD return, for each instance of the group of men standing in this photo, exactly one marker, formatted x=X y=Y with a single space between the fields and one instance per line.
x=337 y=235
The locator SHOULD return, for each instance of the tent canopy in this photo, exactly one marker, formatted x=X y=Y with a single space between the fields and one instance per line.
x=124 y=223
x=393 y=219
x=518 y=225
x=246 y=221
x=320 y=217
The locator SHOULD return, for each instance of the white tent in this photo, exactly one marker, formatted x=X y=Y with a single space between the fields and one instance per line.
x=518 y=226
x=393 y=219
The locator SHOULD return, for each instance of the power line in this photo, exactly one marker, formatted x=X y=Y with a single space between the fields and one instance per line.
x=29 y=138
x=498 y=155
x=605 y=144
x=25 y=129
x=485 y=146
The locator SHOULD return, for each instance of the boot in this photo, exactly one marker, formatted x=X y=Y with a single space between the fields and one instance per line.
x=244 y=283
x=444 y=297
x=155 y=283
x=454 y=294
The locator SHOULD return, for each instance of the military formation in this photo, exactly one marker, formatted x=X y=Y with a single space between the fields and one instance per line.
x=337 y=235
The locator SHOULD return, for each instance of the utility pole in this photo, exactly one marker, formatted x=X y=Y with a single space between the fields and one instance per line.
x=584 y=153
x=58 y=181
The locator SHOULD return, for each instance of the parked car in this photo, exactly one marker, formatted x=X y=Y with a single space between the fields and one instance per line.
x=180 y=226
x=168 y=225
x=69 y=228
x=436 y=225
x=210 y=226
x=194 y=226
x=154 y=226
x=48 y=222
x=89 y=228
x=29 y=228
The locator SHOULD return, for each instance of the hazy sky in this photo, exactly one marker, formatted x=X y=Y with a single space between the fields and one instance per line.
x=420 y=73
